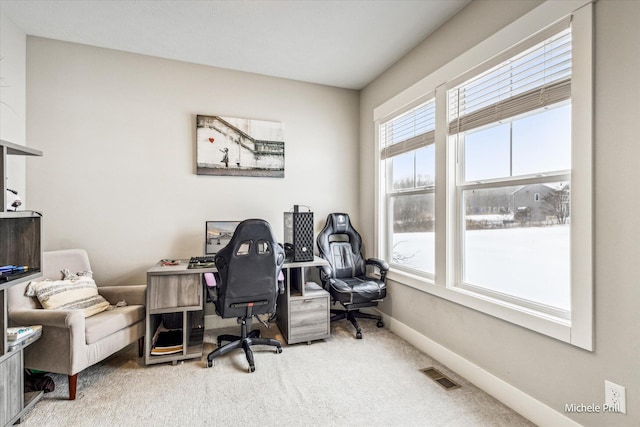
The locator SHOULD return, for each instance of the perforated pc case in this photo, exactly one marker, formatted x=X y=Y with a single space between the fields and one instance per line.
x=298 y=232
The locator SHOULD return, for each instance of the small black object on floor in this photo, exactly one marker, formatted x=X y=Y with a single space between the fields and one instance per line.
x=38 y=381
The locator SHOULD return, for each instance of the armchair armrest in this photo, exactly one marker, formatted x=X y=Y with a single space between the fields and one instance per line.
x=132 y=294
x=382 y=266
x=57 y=318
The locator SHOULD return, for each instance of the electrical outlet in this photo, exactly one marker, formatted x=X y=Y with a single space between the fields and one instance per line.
x=614 y=397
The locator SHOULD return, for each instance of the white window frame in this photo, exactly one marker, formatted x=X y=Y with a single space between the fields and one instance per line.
x=387 y=193
x=578 y=329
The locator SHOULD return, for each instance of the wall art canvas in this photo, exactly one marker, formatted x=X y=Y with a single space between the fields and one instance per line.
x=239 y=147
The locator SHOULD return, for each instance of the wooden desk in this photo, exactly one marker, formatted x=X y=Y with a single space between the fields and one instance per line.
x=302 y=311
x=175 y=290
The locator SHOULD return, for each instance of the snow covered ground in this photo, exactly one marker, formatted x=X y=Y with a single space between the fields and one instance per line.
x=528 y=262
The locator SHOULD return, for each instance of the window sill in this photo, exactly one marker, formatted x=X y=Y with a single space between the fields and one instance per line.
x=539 y=322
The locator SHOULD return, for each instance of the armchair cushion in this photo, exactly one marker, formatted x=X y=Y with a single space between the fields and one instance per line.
x=110 y=321
x=81 y=294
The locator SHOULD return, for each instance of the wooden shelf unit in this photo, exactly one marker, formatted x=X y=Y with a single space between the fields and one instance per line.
x=10 y=149
x=175 y=290
x=20 y=244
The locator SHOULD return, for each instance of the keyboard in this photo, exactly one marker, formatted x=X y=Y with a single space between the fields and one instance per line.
x=202 y=261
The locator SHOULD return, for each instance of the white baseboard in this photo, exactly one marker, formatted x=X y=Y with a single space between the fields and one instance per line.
x=530 y=408
x=217 y=322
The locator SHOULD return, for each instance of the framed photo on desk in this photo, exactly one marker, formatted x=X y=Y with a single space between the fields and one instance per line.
x=217 y=235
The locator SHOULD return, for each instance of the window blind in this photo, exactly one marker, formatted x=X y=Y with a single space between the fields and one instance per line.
x=408 y=131
x=537 y=77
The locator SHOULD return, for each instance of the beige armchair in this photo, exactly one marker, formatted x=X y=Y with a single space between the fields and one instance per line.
x=70 y=342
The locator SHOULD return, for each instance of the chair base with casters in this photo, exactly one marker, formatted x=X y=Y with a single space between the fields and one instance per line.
x=354 y=313
x=244 y=341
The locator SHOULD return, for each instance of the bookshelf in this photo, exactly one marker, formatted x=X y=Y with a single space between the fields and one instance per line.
x=10 y=149
x=20 y=244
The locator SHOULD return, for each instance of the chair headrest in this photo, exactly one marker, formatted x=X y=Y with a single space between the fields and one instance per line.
x=340 y=222
x=337 y=228
x=254 y=230
x=337 y=234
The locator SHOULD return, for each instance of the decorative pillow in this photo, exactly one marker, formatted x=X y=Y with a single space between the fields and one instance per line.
x=79 y=294
x=67 y=275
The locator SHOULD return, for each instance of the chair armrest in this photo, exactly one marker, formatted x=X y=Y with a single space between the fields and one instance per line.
x=58 y=318
x=132 y=294
x=382 y=265
x=326 y=273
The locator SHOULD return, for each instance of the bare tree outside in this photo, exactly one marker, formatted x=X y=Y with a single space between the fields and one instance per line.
x=556 y=203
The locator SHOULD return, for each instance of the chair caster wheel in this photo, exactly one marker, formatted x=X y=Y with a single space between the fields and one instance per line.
x=379 y=324
x=209 y=363
x=278 y=350
x=252 y=369
x=359 y=335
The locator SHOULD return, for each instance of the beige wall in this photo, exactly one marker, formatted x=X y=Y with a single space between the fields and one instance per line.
x=13 y=99
x=550 y=371
x=118 y=135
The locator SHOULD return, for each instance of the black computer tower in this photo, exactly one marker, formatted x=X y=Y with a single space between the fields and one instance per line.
x=298 y=235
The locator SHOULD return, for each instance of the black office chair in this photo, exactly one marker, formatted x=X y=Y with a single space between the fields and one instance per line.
x=346 y=277
x=248 y=269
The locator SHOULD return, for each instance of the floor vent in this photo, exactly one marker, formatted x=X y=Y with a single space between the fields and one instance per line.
x=440 y=378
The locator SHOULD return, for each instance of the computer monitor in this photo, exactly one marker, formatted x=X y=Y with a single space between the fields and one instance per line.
x=217 y=235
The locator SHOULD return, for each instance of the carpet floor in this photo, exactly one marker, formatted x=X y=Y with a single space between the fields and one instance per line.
x=340 y=381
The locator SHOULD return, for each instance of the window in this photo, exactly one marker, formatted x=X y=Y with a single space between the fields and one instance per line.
x=511 y=127
x=488 y=202
x=409 y=182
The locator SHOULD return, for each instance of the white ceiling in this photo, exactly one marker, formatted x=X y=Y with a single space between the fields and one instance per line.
x=343 y=43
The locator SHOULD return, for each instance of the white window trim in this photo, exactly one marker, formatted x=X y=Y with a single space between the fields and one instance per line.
x=579 y=329
x=384 y=195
